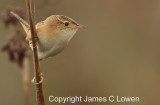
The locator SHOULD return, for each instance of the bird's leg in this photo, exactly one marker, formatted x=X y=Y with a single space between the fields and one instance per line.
x=36 y=39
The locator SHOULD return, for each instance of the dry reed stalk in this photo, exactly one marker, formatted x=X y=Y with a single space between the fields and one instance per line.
x=38 y=78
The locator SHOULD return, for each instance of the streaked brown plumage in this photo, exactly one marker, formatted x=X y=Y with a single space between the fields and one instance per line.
x=53 y=34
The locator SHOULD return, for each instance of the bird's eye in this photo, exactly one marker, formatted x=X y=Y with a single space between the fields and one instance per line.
x=66 y=23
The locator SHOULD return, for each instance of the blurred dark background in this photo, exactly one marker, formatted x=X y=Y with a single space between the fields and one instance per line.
x=118 y=53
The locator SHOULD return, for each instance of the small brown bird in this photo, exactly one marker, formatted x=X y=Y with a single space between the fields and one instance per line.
x=53 y=34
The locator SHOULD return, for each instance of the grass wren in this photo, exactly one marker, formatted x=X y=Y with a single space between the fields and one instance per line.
x=53 y=34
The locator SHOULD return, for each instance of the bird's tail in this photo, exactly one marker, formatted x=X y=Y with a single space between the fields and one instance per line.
x=24 y=24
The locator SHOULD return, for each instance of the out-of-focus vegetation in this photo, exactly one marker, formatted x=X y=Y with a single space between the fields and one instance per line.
x=117 y=54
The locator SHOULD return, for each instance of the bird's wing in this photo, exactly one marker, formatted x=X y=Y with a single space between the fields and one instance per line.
x=39 y=24
x=24 y=24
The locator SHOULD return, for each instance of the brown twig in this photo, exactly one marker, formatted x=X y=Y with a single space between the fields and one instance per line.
x=25 y=78
x=38 y=78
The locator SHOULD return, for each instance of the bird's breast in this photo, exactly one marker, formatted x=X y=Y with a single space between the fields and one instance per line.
x=52 y=45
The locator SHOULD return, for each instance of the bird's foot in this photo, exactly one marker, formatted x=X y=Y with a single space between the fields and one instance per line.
x=36 y=39
x=34 y=81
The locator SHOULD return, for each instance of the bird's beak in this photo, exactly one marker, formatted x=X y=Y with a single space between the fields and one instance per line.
x=81 y=26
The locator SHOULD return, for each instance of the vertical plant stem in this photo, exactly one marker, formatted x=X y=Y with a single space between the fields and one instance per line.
x=38 y=78
x=25 y=77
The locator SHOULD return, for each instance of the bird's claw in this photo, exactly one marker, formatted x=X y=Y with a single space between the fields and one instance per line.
x=36 y=39
x=34 y=81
